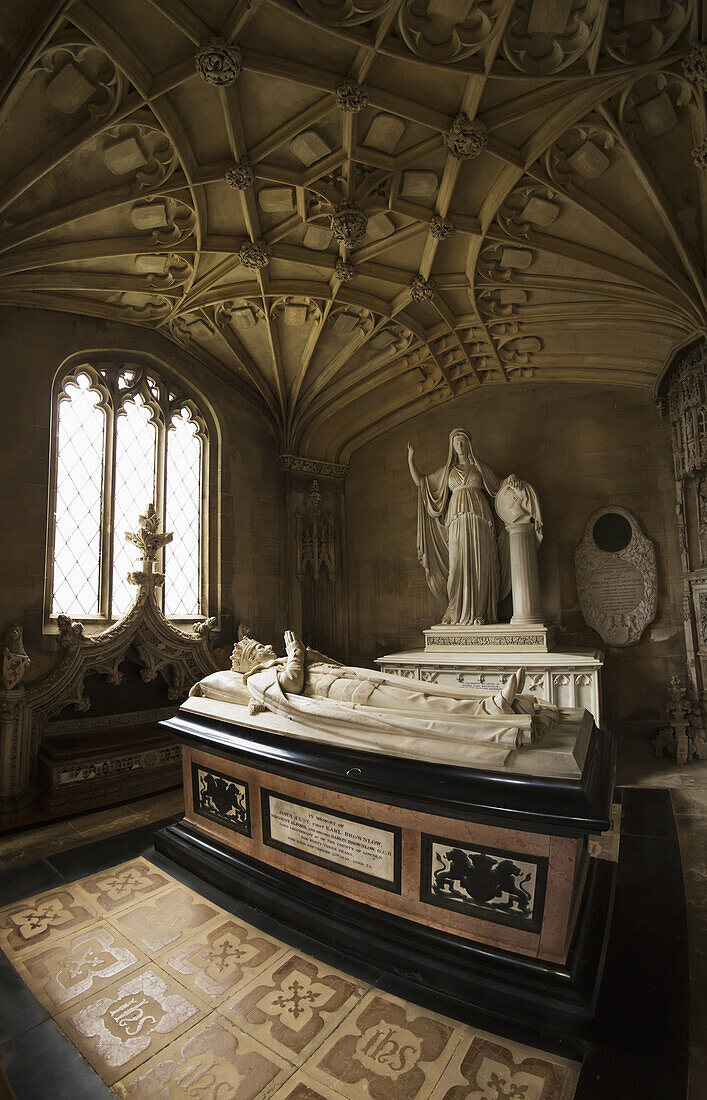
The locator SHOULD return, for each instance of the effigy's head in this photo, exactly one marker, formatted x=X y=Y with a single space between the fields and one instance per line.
x=248 y=653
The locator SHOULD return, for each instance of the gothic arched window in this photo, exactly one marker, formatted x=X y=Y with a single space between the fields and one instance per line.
x=124 y=439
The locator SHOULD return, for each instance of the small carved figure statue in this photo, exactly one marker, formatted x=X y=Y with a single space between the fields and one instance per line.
x=15 y=661
x=460 y=544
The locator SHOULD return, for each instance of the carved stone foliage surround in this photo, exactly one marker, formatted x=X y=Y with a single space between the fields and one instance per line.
x=356 y=211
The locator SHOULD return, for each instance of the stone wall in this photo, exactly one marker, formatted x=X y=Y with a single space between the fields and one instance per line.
x=247 y=522
x=582 y=447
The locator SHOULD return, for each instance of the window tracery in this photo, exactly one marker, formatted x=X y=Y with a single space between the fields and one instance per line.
x=124 y=439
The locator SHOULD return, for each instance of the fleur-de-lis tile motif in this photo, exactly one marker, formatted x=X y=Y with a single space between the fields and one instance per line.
x=221 y=958
x=125 y=885
x=484 y=1069
x=48 y=916
x=79 y=964
x=292 y=1005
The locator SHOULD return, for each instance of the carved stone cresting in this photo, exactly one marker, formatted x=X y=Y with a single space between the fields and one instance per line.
x=441 y=228
x=179 y=656
x=349 y=223
x=687 y=409
x=15 y=660
x=255 y=254
x=699 y=155
x=241 y=175
x=218 y=62
x=345 y=272
x=695 y=65
x=351 y=97
x=299 y=464
x=315 y=538
x=421 y=289
x=618 y=590
x=465 y=139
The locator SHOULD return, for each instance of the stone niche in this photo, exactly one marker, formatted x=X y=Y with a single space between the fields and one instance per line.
x=617 y=580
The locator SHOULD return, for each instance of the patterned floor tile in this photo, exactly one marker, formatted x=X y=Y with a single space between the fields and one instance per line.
x=293 y=1005
x=487 y=1067
x=43 y=918
x=212 y=1060
x=130 y=1021
x=387 y=1049
x=119 y=887
x=218 y=960
x=161 y=920
x=61 y=974
x=301 y=1086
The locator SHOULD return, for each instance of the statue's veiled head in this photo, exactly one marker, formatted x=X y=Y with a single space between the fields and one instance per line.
x=248 y=653
x=460 y=445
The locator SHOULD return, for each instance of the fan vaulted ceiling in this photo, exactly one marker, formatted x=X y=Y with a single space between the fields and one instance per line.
x=358 y=209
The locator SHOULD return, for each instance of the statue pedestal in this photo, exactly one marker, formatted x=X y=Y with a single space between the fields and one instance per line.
x=519 y=637
x=566 y=678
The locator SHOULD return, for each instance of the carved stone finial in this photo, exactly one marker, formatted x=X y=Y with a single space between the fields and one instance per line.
x=241 y=175
x=699 y=155
x=421 y=289
x=695 y=65
x=148 y=537
x=255 y=254
x=345 y=272
x=351 y=97
x=218 y=62
x=15 y=661
x=465 y=139
x=349 y=223
x=440 y=227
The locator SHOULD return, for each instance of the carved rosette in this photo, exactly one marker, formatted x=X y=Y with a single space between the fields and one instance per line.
x=349 y=223
x=351 y=97
x=441 y=228
x=255 y=254
x=465 y=139
x=241 y=175
x=699 y=155
x=695 y=65
x=421 y=289
x=344 y=271
x=218 y=62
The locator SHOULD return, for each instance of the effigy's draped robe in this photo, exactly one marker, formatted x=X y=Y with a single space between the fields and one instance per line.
x=463 y=549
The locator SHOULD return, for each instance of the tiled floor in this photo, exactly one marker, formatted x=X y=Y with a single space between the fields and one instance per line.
x=29 y=844
x=165 y=994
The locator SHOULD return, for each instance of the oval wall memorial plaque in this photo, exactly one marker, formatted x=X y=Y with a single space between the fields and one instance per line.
x=616 y=576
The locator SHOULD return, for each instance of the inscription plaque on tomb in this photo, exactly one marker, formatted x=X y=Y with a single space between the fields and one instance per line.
x=352 y=846
x=616 y=575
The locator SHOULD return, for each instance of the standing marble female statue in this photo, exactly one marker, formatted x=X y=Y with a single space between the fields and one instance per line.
x=460 y=542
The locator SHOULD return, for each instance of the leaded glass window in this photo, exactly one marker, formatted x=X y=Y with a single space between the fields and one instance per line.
x=124 y=440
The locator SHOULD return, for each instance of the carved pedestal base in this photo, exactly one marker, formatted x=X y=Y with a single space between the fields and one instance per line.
x=568 y=679
x=495 y=636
